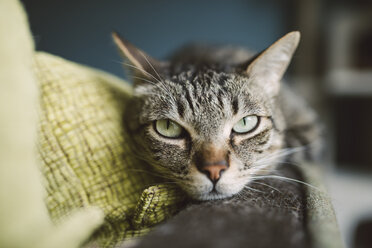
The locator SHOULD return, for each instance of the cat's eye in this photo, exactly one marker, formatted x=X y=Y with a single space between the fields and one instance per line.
x=168 y=128
x=246 y=124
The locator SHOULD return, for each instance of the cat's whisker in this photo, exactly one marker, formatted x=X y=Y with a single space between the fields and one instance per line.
x=281 y=153
x=152 y=163
x=159 y=80
x=152 y=67
x=117 y=61
x=289 y=163
x=142 y=158
x=141 y=70
x=158 y=84
x=164 y=174
x=153 y=83
x=288 y=151
x=272 y=159
x=253 y=189
x=287 y=179
x=262 y=167
x=242 y=196
x=267 y=185
x=258 y=177
x=144 y=79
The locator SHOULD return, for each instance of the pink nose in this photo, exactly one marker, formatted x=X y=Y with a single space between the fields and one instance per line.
x=214 y=171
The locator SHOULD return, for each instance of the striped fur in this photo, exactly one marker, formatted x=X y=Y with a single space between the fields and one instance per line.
x=207 y=91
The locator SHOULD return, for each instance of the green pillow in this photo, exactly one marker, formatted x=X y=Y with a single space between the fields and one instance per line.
x=84 y=153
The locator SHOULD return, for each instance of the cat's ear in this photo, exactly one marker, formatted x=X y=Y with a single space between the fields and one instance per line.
x=272 y=63
x=140 y=63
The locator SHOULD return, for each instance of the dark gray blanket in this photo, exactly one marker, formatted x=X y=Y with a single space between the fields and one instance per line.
x=273 y=213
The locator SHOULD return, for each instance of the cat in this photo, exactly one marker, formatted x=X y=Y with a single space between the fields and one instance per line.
x=213 y=119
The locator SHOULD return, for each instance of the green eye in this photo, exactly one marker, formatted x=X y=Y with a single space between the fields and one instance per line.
x=246 y=124
x=168 y=128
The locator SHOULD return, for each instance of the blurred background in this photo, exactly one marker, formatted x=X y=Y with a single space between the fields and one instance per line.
x=332 y=67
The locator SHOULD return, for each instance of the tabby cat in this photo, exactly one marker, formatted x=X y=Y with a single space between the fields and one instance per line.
x=212 y=118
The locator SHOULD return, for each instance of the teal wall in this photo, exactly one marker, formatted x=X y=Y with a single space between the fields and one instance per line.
x=80 y=30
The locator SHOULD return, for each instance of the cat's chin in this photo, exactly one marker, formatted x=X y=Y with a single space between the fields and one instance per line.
x=212 y=196
x=216 y=194
x=209 y=194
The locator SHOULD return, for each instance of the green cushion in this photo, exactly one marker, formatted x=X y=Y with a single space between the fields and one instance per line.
x=84 y=153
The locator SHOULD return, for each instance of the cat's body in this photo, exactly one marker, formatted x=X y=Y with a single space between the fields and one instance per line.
x=214 y=119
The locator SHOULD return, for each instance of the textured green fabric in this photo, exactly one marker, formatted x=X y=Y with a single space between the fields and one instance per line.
x=84 y=156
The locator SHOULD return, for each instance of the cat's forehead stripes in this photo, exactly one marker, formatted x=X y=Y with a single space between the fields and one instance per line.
x=202 y=99
x=235 y=105
x=202 y=102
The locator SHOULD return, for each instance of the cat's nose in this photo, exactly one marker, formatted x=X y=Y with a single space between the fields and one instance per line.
x=214 y=170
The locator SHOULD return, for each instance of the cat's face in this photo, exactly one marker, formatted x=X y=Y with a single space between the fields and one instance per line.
x=210 y=131
x=217 y=119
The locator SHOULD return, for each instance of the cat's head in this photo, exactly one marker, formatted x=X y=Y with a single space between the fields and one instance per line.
x=211 y=130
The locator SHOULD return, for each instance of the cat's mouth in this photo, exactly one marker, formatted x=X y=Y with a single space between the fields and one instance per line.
x=204 y=192
x=218 y=191
x=203 y=187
